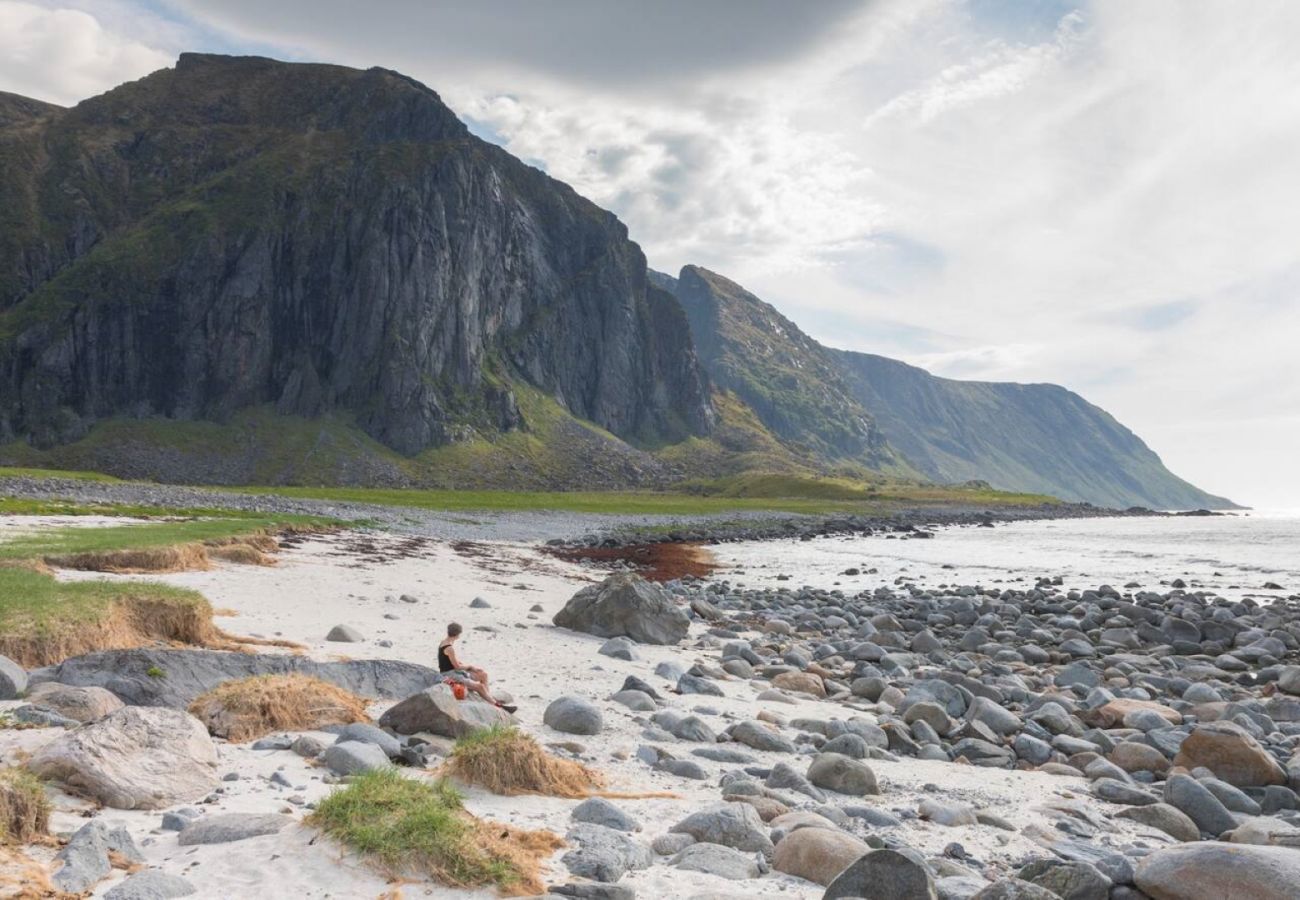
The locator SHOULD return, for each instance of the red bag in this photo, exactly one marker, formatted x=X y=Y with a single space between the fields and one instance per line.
x=458 y=690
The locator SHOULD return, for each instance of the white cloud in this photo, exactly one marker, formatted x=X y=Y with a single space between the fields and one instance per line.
x=63 y=55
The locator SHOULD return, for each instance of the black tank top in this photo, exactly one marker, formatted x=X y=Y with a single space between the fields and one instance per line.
x=444 y=661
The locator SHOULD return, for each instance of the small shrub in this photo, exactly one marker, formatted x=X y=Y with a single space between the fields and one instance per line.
x=24 y=808
x=155 y=672
x=506 y=761
x=407 y=827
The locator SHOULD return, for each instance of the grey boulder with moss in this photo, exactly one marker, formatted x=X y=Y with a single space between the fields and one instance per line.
x=625 y=605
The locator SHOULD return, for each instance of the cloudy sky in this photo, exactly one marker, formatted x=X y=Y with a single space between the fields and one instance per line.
x=1101 y=194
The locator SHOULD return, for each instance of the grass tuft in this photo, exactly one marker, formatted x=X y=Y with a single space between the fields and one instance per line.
x=411 y=828
x=248 y=708
x=24 y=807
x=506 y=761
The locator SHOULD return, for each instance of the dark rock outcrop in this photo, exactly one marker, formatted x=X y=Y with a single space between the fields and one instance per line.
x=238 y=232
x=178 y=676
x=625 y=605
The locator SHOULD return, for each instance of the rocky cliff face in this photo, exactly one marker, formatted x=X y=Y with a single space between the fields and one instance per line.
x=237 y=232
x=794 y=384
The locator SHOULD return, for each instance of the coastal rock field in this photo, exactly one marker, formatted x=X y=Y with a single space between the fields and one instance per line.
x=710 y=737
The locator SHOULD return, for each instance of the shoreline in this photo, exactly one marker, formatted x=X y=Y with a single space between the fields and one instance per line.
x=557 y=528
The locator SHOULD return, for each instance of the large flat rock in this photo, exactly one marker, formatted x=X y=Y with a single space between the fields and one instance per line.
x=181 y=675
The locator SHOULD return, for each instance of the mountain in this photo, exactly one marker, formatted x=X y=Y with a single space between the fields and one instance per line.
x=237 y=234
x=243 y=271
x=795 y=386
x=1037 y=438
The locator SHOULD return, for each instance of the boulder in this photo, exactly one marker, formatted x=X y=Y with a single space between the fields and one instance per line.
x=619 y=648
x=1069 y=880
x=637 y=701
x=715 y=859
x=135 y=758
x=755 y=734
x=345 y=634
x=354 y=757
x=1015 y=889
x=437 y=711
x=1195 y=800
x=1231 y=754
x=690 y=683
x=150 y=884
x=1124 y=792
x=817 y=854
x=84 y=861
x=800 y=683
x=599 y=811
x=731 y=824
x=842 y=774
x=1132 y=756
x=603 y=854
x=1212 y=869
x=13 y=679
x=1288 y=680
x=81 y=704
x=784 y=777
x=573 y=715
x=228 y=827
x=1163 y=817
x=1111 y=714
x=189 y=673
x=369 y=734
x=944 y=813
x=626 y=605
x=883 y=875
x=1001 y=721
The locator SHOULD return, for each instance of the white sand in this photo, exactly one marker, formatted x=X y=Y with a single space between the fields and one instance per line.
x=356 y=579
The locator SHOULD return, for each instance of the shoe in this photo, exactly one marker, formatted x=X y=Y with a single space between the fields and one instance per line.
x=508 y=708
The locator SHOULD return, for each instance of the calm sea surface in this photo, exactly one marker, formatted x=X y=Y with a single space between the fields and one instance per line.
x=1234 y=555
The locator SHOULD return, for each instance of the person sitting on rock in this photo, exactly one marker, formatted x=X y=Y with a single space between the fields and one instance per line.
x=474 y=678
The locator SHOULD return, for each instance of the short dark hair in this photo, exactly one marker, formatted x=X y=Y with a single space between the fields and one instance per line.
x=453 y=629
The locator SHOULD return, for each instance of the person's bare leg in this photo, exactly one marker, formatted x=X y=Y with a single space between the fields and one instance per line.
x=480 y=689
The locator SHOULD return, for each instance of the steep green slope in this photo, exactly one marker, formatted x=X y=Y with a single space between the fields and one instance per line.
x=1032 y=437
x=835 y=407
x=793 y=384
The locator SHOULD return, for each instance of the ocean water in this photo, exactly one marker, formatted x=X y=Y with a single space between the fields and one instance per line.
x=1233 y=555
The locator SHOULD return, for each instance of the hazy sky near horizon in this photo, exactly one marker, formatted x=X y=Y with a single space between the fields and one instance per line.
x=1103 y=195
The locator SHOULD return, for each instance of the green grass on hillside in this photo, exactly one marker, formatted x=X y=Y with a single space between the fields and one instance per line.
x=805 y=494
x=877 y=490
x=775 y=493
